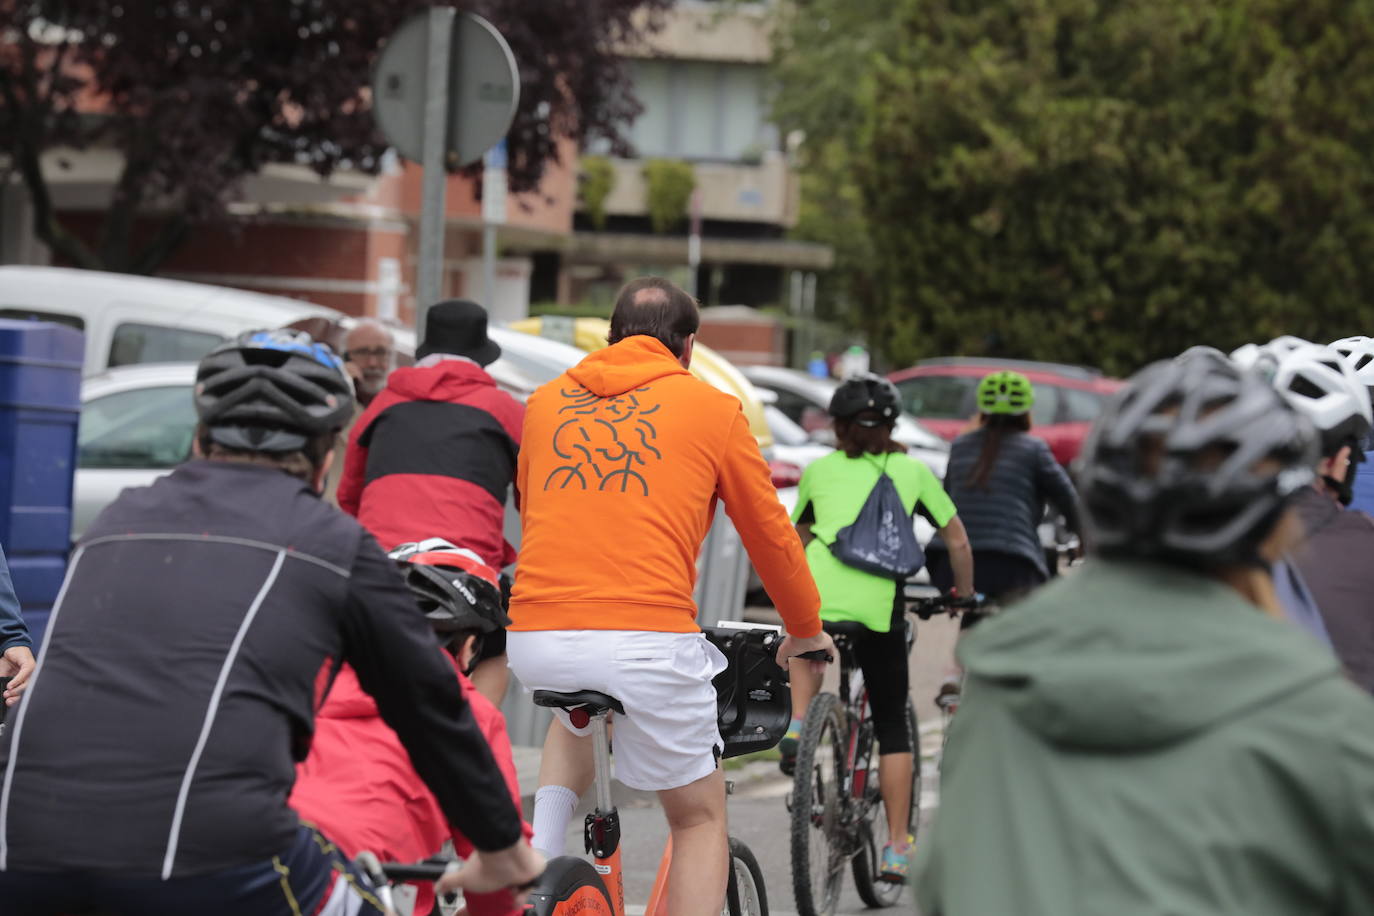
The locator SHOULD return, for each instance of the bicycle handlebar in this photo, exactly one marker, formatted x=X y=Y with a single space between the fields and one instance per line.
x=414 y=871
x=925 y=608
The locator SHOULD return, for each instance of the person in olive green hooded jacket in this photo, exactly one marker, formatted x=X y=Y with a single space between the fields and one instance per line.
x=1147 y=736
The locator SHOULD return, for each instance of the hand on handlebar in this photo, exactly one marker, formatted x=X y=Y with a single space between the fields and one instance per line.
x=514 y=868
x=821 y=643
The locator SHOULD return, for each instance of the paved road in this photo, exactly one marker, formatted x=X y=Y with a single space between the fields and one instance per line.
x=757 y=811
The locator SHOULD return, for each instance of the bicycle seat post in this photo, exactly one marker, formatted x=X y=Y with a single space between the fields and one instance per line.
x=601 y=750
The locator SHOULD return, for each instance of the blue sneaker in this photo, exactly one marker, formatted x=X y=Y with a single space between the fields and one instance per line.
x=895 y=865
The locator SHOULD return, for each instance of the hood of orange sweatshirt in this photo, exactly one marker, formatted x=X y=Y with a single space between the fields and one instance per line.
x=626 y=365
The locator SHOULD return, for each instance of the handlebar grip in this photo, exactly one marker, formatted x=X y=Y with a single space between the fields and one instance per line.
x=817 y=655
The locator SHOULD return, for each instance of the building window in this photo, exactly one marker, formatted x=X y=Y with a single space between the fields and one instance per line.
x=700 y=110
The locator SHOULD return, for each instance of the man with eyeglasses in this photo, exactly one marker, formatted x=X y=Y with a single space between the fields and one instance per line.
x=367 y=355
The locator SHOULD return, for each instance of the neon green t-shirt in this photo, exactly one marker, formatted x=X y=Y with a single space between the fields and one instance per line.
x=832 y=491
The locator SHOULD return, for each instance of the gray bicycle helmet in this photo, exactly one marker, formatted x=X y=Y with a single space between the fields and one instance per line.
x=866 y=394
x=1193 y=463
x=272 y=391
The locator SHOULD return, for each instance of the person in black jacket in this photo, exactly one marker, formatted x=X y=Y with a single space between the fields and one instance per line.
x=150 y=759
x=1000 y=478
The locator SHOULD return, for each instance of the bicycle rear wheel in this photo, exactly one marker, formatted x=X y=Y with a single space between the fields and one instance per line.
x=873 y=890
x=569 y=887
x=746 y=894
x=819 y=808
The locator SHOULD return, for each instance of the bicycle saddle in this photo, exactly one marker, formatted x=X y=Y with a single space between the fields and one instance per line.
x=590 y=700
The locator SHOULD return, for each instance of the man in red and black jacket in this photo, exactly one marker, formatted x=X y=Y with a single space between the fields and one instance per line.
x=434 y=454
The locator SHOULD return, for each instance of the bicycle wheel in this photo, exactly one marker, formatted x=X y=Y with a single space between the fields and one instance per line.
x=873 y=890
x=819 y=808
x=569 y=887
x=746 y=894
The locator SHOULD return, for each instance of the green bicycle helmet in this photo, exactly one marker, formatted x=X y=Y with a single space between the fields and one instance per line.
x=1009 y=393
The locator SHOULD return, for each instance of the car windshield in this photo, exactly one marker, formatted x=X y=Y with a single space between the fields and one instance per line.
x=939 y=397
x=144 y=428
x=784 y=431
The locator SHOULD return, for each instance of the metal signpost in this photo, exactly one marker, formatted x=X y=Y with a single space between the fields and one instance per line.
x=445 y=90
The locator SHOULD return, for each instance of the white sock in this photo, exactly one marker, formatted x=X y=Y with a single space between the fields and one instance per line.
x=553 y=809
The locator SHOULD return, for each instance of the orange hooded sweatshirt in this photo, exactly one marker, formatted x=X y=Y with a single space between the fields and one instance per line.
x=622 y=460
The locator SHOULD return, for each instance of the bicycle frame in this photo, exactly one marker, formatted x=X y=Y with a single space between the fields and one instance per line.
x=601 y=833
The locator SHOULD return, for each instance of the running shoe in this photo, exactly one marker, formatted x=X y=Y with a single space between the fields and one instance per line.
x=895 y=865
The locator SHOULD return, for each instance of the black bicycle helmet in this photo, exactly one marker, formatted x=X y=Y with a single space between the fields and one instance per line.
x=868 y=399
x=1192 y=463
x=456 y=590
x=272 y=391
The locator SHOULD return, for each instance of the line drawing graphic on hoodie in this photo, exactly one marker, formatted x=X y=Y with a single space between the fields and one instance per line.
x=590 y=441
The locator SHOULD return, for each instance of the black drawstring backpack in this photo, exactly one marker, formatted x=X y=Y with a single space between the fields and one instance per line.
x=880 y=540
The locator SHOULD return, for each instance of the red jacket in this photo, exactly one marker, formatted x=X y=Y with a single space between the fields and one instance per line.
x=433 y=456
x=359 y=788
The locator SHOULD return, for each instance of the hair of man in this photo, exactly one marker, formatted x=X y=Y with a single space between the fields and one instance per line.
x=657 y=308
x=303 y=463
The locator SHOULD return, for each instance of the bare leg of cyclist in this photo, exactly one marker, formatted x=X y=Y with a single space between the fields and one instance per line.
x=701 y=846
x=894 y=783
x=491 y=677
x=805 y=685
x=566 y=771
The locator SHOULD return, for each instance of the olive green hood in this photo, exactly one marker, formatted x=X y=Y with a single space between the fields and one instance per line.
x=1143 y=655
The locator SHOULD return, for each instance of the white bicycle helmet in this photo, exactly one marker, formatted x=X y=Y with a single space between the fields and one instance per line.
x=1316 y=380
x=1263 y=357
x=1358 y=353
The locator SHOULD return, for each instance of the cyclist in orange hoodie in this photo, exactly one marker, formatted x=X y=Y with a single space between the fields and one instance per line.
x=622 y=463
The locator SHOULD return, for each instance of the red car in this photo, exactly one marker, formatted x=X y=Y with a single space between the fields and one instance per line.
x=941 y=394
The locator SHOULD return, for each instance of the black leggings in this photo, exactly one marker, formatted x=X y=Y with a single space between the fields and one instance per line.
x=883 y=659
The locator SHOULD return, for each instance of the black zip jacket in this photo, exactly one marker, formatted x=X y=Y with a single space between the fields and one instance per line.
x=184 y=663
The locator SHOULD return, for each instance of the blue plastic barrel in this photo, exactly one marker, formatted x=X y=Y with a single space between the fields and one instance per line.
x=40 y=405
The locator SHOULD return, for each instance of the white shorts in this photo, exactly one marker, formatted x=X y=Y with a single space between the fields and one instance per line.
x=668 y=736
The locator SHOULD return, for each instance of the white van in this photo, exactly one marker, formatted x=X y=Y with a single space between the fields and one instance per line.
x=129 y=320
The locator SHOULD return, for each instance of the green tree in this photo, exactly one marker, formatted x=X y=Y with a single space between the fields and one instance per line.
x=668 y=184
x=1100 y=181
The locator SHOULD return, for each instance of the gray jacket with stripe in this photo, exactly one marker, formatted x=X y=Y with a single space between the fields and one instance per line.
x=182 y=668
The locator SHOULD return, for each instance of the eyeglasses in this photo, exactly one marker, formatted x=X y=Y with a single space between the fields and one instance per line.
x=367 y=353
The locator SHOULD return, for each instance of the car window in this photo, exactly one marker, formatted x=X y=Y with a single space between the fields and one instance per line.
x=146 y=343
x=144 y=428
x=790 y=404
x=1045 y=410
x=784 y=431
x=1081 y=406
x=22 y=314
x=939 y=397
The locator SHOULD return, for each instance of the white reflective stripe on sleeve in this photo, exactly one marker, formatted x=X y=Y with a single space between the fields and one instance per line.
x=23 y=708
x=209 y=723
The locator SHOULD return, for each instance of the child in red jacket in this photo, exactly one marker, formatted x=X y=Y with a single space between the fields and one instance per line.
x=358 y=785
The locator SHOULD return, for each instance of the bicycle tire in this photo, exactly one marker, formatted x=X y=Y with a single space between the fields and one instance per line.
x=819 y=808
x=746 y=895
x=569 y=886
x=873 y=891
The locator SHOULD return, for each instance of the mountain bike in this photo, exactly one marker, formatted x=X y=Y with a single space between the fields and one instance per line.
x=836 y=808
x=753 y=709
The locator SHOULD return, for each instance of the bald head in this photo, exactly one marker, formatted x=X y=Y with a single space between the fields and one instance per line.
x=657 y=308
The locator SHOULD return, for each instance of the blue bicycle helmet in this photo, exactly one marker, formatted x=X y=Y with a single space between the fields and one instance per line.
x=272 y=391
